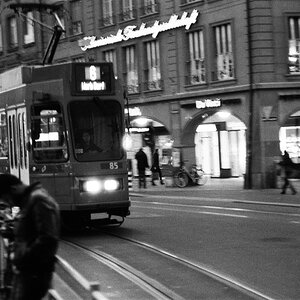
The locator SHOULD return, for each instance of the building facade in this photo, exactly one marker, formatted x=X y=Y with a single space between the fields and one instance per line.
x=217 y=81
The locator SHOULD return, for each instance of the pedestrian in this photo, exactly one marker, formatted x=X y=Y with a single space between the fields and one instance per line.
x=286 y=169
x=142 y=164
x=156 y=168
x=36 y=237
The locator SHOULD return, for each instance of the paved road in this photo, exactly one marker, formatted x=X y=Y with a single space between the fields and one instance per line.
x=230 y=189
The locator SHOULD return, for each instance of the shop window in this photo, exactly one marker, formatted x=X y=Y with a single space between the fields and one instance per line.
x=110 y=56
x=294 y=45
x=12 y=33
x=224 y=55
x=196 y=62
x=152 y=71
x=29 y=29
x=131 y=72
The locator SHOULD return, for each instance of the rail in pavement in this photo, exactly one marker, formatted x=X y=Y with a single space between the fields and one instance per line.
x=69 y=284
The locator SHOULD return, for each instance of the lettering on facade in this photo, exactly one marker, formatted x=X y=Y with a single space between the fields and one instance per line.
x=133 y=112
x=208 y=103
x=133 y=32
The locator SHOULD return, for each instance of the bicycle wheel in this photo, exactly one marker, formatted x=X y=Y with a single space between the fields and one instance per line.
x=181 y=179
x=202 y=179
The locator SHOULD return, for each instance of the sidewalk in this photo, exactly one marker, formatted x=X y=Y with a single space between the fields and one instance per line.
x=229 y=189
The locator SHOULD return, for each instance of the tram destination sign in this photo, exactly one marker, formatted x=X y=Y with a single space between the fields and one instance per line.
x=92 y=79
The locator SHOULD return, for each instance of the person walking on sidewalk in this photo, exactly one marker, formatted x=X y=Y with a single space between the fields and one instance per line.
x=142 y=164
x=156 y=168
x=286 y=169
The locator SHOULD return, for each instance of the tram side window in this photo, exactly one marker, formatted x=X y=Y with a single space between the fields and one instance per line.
x=48 y=133
x=3 y=136
x=97 y=129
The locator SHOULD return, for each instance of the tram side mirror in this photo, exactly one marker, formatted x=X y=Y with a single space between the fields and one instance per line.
x=28 y=146
x=36 y=129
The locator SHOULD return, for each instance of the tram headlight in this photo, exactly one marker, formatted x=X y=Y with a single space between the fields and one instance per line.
x=92 y=186
x=111 y=185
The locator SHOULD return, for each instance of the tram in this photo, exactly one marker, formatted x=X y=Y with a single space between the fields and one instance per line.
x=63 y=125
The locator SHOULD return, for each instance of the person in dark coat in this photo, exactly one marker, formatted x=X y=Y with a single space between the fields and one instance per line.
x=142 y=164
x=156 y=168
x=36 y=237
x=287 y=165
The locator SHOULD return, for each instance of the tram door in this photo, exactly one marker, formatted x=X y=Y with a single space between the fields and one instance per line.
x=17 y=137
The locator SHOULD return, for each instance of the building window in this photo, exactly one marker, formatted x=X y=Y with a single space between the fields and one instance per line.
x=110 y=56
x=1 y=41
x=224 y=55
x=29 y=29
x=76 y=17
x=294 y=45
x=107 y=13
x=127 y=13
x=150 y=7
x=13 y=33
x=152 y=71
x=196 y=63
x=131 y=73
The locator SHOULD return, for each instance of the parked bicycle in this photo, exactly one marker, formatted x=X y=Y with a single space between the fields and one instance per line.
x=7 y=220
x=195 y=176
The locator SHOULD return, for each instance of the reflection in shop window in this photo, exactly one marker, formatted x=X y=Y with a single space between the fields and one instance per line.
x=294 y=45
x=290 y=141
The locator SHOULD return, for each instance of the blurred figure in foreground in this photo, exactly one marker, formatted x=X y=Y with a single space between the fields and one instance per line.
x=36 y=237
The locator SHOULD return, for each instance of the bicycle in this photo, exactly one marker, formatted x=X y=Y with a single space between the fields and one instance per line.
x=7 y=220
x=182 y=177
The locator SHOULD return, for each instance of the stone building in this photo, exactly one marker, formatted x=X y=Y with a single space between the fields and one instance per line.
x=217 y=81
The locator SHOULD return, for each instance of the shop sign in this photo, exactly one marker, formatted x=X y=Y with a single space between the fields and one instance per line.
x=138 y=129
x=133 y=112
x=208 y=103
x=133 y=32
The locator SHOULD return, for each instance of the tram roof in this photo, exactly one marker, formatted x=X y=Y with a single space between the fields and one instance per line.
x=20 y=76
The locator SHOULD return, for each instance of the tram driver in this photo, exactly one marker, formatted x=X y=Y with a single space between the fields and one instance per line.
x=87 y=145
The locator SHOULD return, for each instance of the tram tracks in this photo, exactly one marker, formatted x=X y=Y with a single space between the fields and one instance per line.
x=159 y=273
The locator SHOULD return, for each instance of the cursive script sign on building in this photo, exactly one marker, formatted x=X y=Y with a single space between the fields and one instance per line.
x=133 y=32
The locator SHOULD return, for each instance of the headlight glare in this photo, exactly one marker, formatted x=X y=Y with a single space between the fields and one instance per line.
x=111 y=185
x=92 y=186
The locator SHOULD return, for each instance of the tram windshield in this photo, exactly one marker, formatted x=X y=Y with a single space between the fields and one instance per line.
x=97 y=129
x=48 y=133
